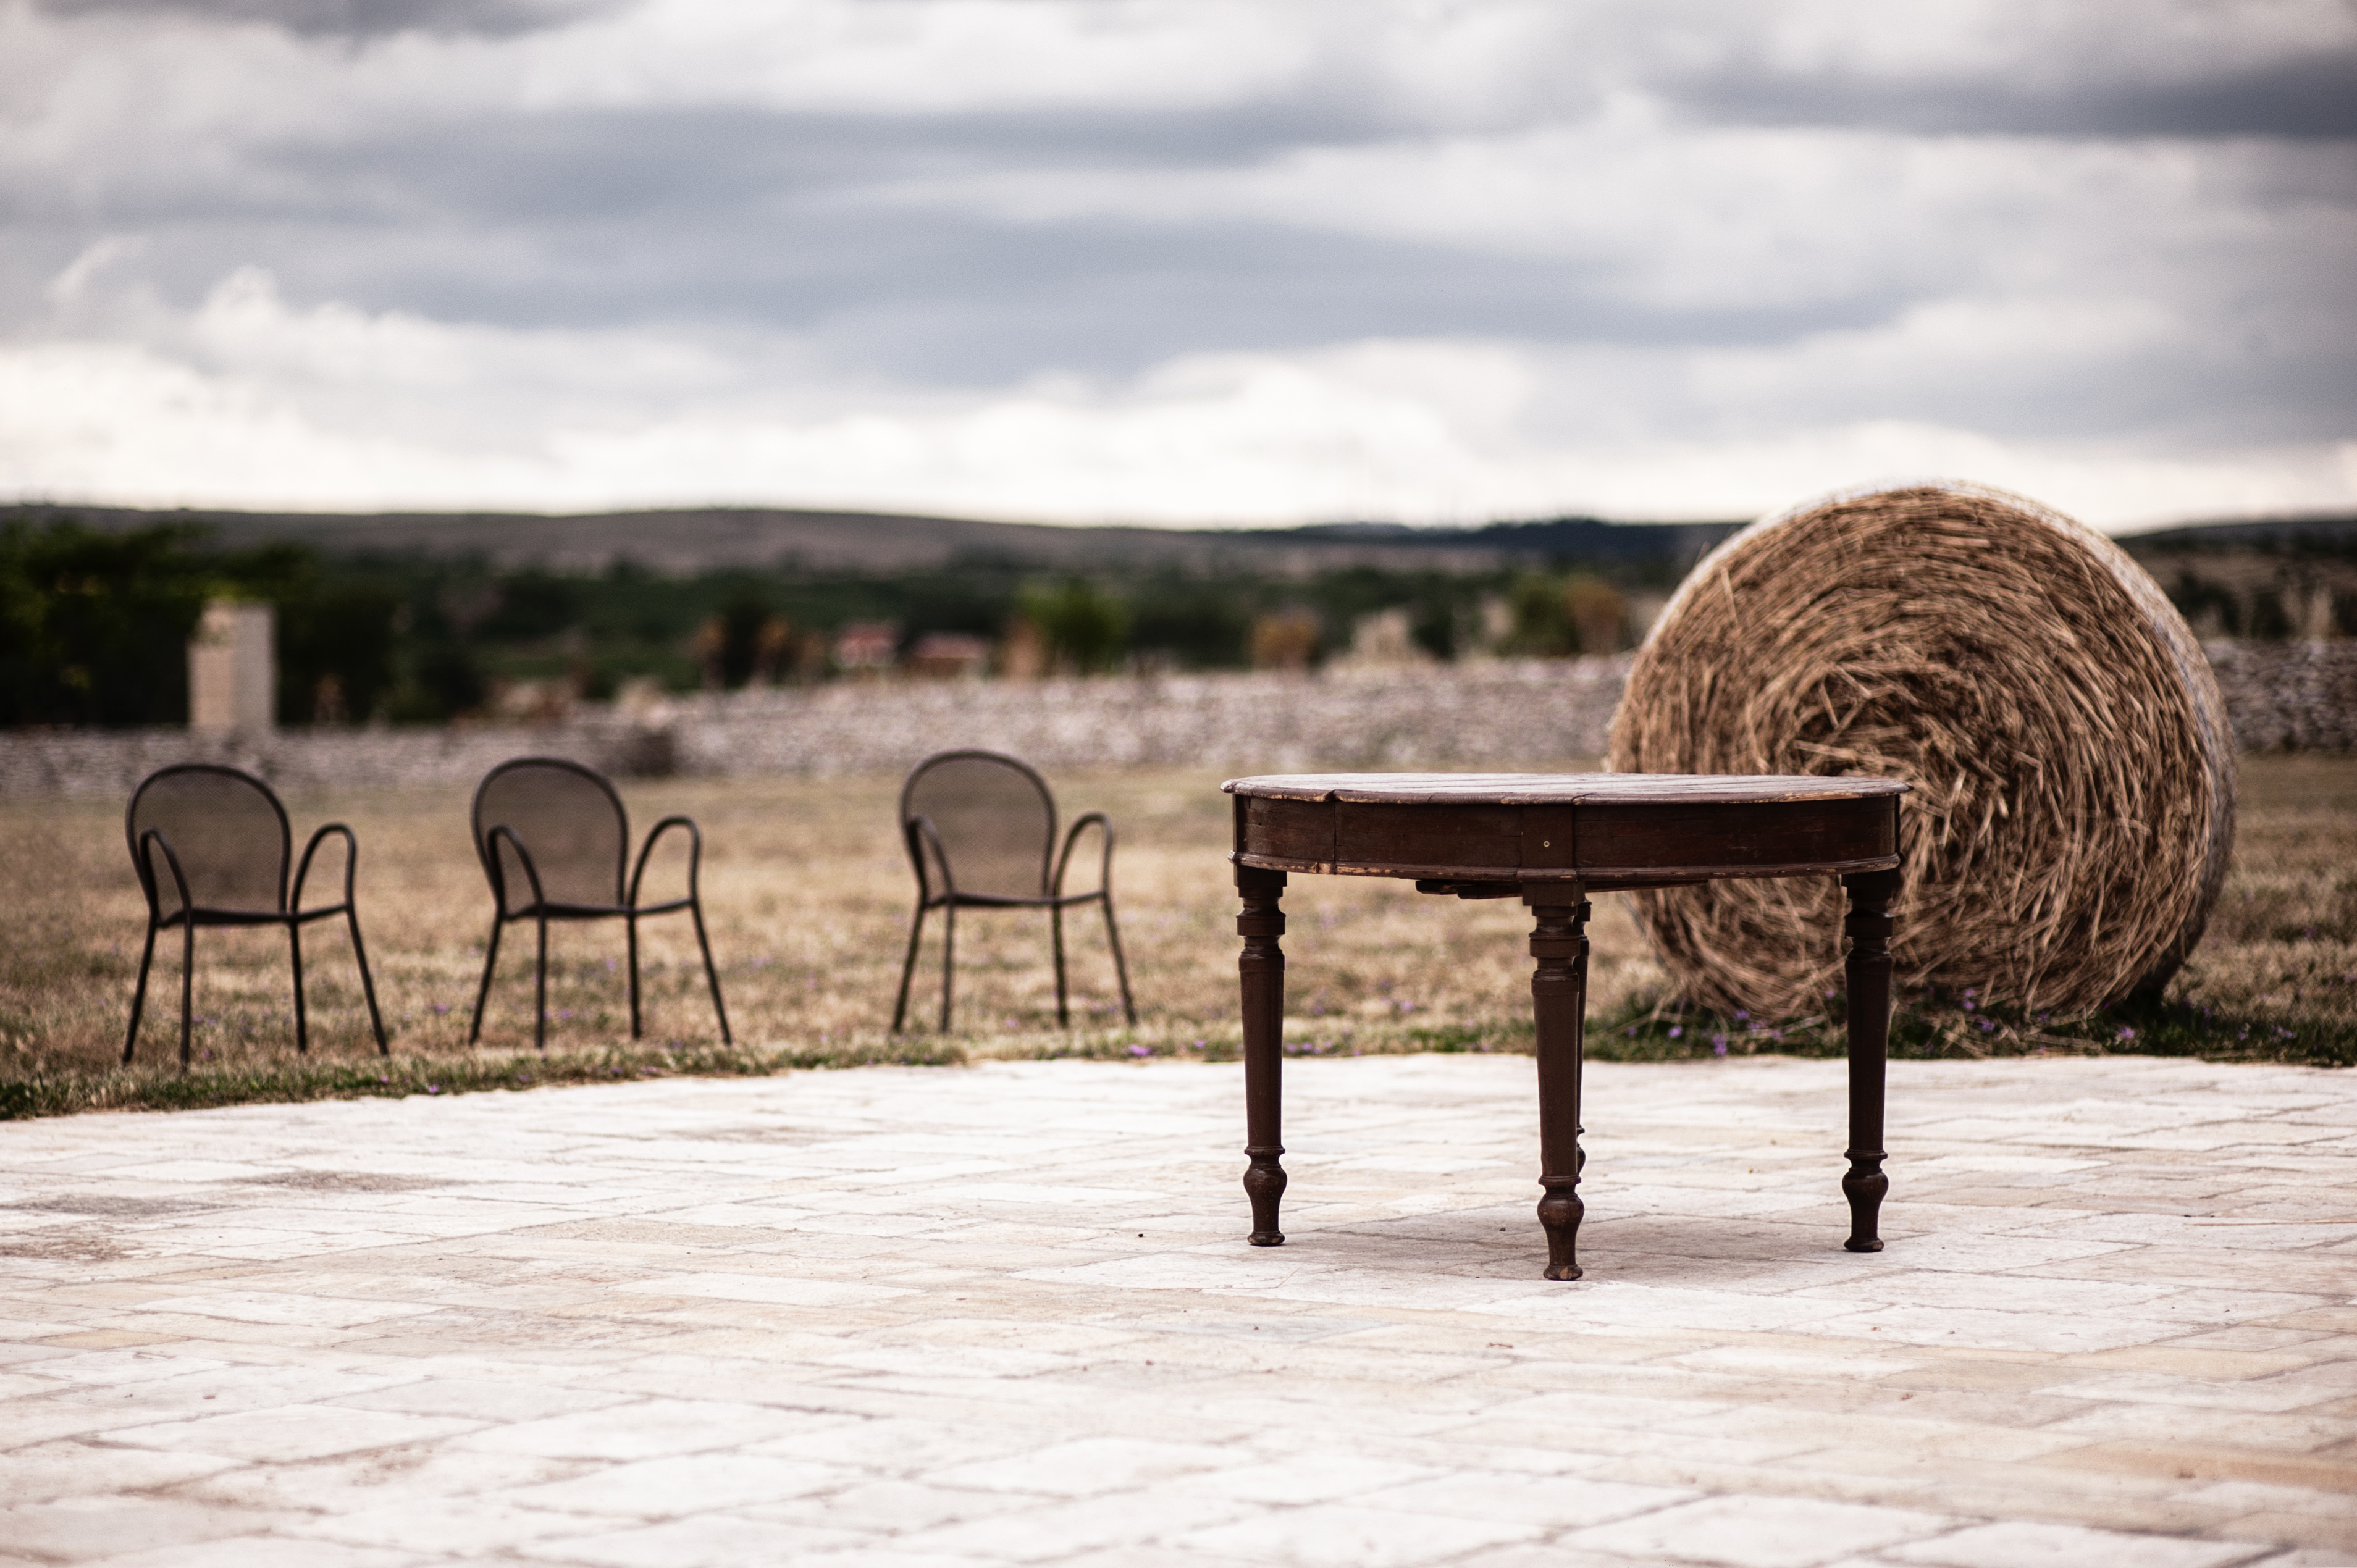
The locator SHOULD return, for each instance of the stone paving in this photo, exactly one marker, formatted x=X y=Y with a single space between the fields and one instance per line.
x=1004 y=1315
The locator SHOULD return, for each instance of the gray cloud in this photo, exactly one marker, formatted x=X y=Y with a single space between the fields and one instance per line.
x=2310 y=99
x=1699 y=227
x=357 y=18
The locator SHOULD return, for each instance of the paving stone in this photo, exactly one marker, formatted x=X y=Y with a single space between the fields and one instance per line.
x=690 y=1543
x=482 y=1399
x=267 y=1551
x=47 y=1471
x=639 y=1429
x=1315 y=1477
x=1552 y=1502
x=1087 y=1468
x=903 y=1318
x=288 y=1434
x=463 y=1526
x=80 y=1529
x=687 y=1484
x=2066 y=1546
x=1761 y=1532
x=889 y=1506
x=1065 y=1528
x=1349 y=1535
x=423 y=1476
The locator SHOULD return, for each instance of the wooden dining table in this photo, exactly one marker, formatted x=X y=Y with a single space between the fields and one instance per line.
x=1552 y=839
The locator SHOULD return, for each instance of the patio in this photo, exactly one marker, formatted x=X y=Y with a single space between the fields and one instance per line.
x=1005 y=1315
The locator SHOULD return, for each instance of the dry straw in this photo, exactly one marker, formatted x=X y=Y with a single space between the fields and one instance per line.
x=2073 y=771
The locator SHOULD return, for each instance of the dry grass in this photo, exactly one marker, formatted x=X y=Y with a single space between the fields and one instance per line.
x=809 y=899
x=2072 y=771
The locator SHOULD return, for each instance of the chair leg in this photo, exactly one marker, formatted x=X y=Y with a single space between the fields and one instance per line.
x=907 y=966
x=631 y=923
x=368 y=986
x=483 y=991
x=540 y=992
x=139 y=994
x=1056 y=937
x=949 y=959
x=711 y=973
x=187 y=989
x=1120 y=964
x=302 y=1023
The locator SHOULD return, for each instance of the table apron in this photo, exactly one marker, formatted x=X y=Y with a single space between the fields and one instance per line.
x=1601 y=879
x=1597 y=842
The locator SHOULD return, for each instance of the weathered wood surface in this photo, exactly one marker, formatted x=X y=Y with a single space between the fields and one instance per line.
x=1608 y=831
x=1555 y=788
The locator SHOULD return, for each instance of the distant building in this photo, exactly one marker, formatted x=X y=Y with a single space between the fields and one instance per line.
x=948 y=655
x=1385 y=639
x=865 y=646
x=232 y=669
x=1023 y=656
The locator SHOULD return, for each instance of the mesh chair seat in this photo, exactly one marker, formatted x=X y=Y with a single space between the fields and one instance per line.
x=210 y=846
x=553 y=839
x=980 y=828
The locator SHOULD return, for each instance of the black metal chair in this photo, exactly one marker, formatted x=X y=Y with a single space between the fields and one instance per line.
x=981 y=831
x=552 y=838
x=210 y=846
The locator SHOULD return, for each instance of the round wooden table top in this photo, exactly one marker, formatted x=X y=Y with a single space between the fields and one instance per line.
x=1610 y=830
x=1558 y=788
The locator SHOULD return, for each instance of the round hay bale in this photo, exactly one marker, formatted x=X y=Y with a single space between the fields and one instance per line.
x=2073 y=770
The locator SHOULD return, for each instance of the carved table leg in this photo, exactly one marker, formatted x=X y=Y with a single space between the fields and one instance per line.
x=1870 y=896
x=1262 y=970
x=1559 y=1004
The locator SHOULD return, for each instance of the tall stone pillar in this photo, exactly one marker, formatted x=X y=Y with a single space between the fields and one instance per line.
x=232 y=671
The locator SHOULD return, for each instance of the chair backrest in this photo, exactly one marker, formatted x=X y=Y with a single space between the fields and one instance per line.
x=995 y=819
x=572 y=823
x=227 y=830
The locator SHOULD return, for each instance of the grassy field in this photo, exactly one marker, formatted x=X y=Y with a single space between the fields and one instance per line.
x=808 y=895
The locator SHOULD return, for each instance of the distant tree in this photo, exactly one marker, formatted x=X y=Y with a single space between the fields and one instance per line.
x=1086 y=628
x=443 y=681
x=1597 y=614
x=336 y=648
x=1542 y=619
x=1433 y=627
x=94 y=627
x=1289 y=638
x=752 y=643
x=531 y=605
x=2207 y=606
x=1554 y=618
x=2268 y=620
x=1201 y=625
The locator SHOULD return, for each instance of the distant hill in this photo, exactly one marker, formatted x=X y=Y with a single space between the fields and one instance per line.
x=692 y=541
x=686 y=541
x=2259 y=577
x=2325 y=532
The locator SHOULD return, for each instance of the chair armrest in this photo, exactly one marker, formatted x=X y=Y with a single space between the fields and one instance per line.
x=1104 y=864
x=302 y=868
x=499 y=882
x=921 y=832
x=154 y=839
x=695 y=855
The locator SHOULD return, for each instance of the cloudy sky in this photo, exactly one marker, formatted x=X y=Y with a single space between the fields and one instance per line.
x=1178 y=261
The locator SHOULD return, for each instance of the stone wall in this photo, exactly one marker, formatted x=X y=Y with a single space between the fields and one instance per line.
x=2289 y=696
x=1524 y=713
x=1510 y=714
